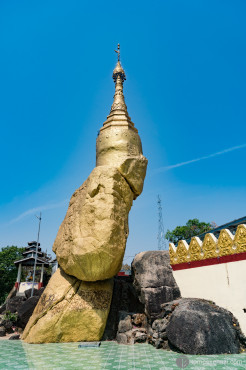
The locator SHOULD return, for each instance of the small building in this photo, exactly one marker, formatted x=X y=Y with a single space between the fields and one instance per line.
x=26 y=264
x=124 y=272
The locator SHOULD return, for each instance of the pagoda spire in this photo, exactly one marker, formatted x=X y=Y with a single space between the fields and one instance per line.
x=118 y=52
x=118 y=111
x=118 y=138
x=119 y=77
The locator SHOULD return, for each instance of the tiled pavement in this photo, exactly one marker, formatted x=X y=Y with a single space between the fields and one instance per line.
x=110 y=355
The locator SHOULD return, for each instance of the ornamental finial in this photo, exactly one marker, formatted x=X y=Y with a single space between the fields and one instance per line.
x=119 y=71
x=118 y=52
x=119 y=77
x=118 y=113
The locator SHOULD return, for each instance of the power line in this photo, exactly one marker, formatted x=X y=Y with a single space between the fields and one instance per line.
x=161 y=235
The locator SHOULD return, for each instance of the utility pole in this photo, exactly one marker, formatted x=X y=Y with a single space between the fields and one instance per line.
x=161 y=235
x=36 y=255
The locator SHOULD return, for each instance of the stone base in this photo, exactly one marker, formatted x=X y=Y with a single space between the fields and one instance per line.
x=70 y=310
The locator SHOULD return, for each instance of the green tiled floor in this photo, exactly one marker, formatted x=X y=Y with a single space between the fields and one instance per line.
x=19 y=355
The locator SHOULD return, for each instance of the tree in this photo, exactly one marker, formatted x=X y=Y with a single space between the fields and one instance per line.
x=192 y=228
x=8 y=270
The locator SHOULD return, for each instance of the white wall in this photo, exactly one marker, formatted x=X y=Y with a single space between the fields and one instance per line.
x=26 y=285
x=224 y=284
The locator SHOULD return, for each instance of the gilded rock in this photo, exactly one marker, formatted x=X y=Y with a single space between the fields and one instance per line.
x=117 y=142
x=91 y=241
x=134 y=170
x=70 y=310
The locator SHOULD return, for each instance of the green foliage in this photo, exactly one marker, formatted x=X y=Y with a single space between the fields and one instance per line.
x=192 y=228
x=10 y=316
x=8 y=270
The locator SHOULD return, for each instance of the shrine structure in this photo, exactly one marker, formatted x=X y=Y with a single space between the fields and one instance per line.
x=27 y=264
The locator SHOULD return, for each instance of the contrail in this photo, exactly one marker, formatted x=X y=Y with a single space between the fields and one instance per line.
x=38 y=209
x=167 y=168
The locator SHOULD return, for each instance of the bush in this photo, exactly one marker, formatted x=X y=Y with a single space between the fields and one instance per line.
x=9 y=316
x=8 y=270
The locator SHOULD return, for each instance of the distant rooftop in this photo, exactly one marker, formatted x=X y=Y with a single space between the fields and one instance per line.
x=29 y=255
x=33 y=243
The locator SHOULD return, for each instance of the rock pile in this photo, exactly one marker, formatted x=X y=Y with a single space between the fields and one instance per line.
x=132 y=328
x=125 y=299
x=187 y=325
x=15 y=313
x=154 y=281
x=198 y=327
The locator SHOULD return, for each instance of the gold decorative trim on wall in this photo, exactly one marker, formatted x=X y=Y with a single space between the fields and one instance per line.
x=195 y=249
x=211 y=247
x=240 y=239
x=225 y=243
x=182 y=251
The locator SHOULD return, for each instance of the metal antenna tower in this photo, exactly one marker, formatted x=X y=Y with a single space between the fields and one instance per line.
x=161 y=235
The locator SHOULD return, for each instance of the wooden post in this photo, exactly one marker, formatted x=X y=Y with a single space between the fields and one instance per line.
x=19 y=273
x=18 y=277
x=42 y=273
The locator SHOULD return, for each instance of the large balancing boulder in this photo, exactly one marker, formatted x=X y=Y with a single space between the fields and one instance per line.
x=199 y=327
x=70 y=310
x=154 y=281
x=91 y=240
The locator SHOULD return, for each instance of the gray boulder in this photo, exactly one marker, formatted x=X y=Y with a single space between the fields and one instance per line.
x=25 y=311
x=3 y=308
x=199 y=327
x=14 y=303
x=2 y=331
x=14 y=337
x=121 y=338
x=125 y=322
x=36 y=292
x=132 y=328
x=140 y=337
x=8 y=326
x=154 y=281
x=139 y=320
x=160 y=325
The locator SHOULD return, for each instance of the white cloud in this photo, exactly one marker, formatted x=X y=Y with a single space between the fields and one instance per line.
x=167 y=168
x=38 y=209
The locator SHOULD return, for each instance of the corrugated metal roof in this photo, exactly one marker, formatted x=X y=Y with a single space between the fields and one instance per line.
x=40 y=261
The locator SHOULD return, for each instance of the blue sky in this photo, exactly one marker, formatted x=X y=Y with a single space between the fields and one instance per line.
x=185 y=92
